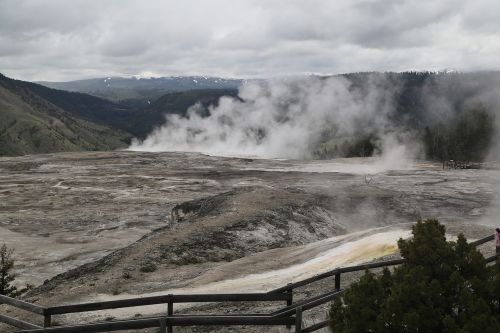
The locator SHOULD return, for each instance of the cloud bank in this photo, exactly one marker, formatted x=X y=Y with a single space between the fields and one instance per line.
x=63 y=40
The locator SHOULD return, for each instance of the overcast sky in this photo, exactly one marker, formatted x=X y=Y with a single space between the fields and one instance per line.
x=73 y=39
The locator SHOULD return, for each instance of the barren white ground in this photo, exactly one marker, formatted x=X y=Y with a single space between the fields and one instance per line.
x=59 y=211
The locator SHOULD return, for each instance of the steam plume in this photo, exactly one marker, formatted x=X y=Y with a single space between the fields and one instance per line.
x=282 y=118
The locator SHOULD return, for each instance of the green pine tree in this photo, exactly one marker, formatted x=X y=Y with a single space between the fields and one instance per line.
x=6 y=265
x=442 y=287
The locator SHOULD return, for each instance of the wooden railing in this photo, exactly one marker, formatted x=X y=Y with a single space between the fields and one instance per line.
x=290 y=315
x=169 y=300
x=33 y=308
x=166 y=321
x=336 y=272
x=483 y=240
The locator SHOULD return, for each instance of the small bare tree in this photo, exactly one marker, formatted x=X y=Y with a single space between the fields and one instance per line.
x=6 y=265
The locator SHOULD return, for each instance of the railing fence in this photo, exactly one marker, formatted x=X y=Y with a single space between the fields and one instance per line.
x=290 y=315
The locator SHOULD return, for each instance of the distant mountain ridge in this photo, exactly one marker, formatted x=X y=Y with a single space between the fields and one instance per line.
x=121 y=88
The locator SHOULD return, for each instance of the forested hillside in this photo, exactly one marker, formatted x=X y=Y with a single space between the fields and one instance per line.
x=37 y=119
x=30 y=123
x=145 y=119
x=453 y=115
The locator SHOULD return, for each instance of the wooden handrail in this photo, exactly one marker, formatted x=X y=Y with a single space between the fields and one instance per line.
x=312 y=304
x=492 y=258
x=483 y=240
x=302 y=302
x=17 y=322
x=162 y=299
x=348 y=269
x=168 y=321
x=22 y=304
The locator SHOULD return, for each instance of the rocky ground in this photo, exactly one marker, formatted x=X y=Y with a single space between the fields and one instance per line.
x=117 y=224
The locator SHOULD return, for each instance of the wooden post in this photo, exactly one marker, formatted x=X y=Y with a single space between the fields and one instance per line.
x=170 y=312
x=298 y=320
x=289 y=302
x=337 y=280
x=47 y=320
x=163 y=325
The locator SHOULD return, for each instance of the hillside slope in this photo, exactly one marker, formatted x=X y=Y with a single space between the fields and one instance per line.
x=30 y=124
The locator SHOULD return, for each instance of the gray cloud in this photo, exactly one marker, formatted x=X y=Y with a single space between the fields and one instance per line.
x=63 y=40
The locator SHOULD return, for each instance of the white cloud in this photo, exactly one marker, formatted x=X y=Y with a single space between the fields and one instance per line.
x=62 y=40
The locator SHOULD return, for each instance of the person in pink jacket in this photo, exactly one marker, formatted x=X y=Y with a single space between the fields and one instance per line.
x=497 y=239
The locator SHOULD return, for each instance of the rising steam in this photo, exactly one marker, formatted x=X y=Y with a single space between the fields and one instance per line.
x=283 y=118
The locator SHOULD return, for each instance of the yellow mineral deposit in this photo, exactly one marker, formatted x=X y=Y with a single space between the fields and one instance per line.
x=363 y=249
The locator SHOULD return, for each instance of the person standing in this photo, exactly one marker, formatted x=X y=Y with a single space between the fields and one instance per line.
x=497 y=240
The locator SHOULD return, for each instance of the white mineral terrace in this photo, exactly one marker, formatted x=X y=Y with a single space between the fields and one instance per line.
x=341 y=253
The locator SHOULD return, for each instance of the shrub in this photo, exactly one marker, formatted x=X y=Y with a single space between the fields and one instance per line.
x=148 y=267
x=6 y=265
x=442 y=287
